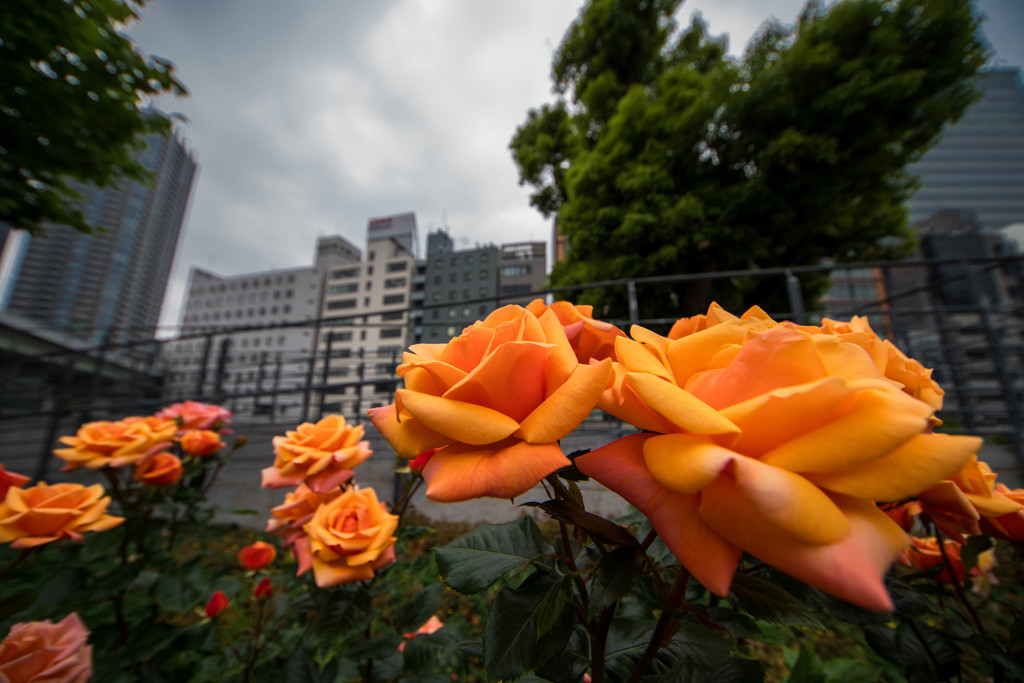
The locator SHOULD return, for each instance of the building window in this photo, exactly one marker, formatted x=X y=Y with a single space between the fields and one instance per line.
x=437 y=279
x=394 y=299
x=395 y=282
x=396 y=266
x=517 y=271
x=391 y=333
x=484 y=258
x=393 y=315
x=344 y=272
x=341 y=304
x=340 y=336
x=483 y=274
x=483 y=291
x=372 y=256
x=341 y=289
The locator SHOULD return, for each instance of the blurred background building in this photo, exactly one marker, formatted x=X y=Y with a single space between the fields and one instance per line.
x=106 y=288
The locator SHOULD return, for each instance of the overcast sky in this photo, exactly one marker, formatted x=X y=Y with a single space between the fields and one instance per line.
x=311 y=117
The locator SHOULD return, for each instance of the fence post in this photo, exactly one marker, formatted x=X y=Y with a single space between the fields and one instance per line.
x=201 y=375
x=634 y=308
x=326 y=372
x=796 y=298
x=221 y=371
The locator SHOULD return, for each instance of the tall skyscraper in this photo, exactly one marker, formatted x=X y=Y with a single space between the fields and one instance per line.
x=109 y=286
x=978 y=164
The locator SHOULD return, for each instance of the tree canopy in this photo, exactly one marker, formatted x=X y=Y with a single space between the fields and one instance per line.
x=663 y=155
x=74 y=105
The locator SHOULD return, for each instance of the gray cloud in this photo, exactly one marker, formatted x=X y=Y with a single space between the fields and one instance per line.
x=309 y=118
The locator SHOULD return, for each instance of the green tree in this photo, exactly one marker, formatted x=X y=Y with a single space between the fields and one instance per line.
x=73 y=106
x=663 y=156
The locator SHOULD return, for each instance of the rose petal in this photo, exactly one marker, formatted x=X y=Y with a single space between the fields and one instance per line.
x=568 y=406
x=504 y=470
x=465 y=422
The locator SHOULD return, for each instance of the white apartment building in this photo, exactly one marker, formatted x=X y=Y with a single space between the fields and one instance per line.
x=366 y=320
x=249 y=340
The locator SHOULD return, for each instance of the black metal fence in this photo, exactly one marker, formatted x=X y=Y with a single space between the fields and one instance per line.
x=962 y=317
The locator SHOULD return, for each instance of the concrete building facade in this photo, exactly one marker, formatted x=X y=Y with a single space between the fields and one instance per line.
x=367 y=321
x=107 y=287
x=252 y=336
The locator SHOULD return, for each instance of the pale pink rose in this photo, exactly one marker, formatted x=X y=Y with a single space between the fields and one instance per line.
x=44 y=652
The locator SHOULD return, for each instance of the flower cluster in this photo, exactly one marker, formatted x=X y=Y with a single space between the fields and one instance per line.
x=776 y=439
x=336 y=529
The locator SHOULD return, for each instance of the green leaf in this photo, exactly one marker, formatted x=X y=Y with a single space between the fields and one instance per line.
x=176 y=593
x=374 y=648
x=992 y=650
x=241 y=511
x=848 y=670
x=428 y=653
x=764 y=600
x=553 y=604
x=339 y=612
x=808 y=668
x=974 y=547
x=418 y=611
x=511 y=643
x=476 y=560
x=614 y=578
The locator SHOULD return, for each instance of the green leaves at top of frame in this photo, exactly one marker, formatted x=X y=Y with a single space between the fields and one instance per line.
x=476 y=560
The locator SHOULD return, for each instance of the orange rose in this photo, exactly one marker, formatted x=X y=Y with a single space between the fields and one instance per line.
x=773 y=439
x=433 y=625
x=924 y=553
x=494 y=401
x=287 y=519
x=200 y=442
x=257 y=555
x=321 y=454
x=115 y=444
x=1010 y=526
x=44 y=652
x=589 y=338
x=9 y=479
x=196 y=415
x=160 y=469
x=959 y=503
x=349 y=538
x=41 y=514
x=915 y=379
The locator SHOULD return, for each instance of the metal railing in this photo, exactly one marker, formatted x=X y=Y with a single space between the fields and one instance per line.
x=962 y=317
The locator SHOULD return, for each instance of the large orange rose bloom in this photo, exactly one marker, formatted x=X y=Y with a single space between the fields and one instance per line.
x=589 y=338
x=494 y=401
x=41 y=514
x=771 y=439
x=115 y=444
x=349 y=538
x=321 y=454
x=44 y=652
x=962 y=501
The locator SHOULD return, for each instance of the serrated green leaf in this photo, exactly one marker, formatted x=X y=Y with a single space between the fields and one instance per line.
x=476 y=560
x=553 y=604
x=808 y=668
x=176 y=593
x=426 y=654
x=764 y=600
x=848 y=670
x=614 y=578
x=419 y=609
x=992 y=650
x=339 y=612
x=511 y=645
